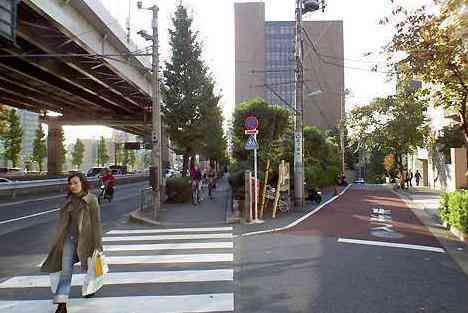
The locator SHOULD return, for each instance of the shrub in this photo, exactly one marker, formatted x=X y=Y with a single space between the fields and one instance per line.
x=317 y=176
x=179 y=189
x=454 y=209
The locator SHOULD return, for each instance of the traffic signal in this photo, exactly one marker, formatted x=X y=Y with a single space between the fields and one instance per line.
x=132 y=146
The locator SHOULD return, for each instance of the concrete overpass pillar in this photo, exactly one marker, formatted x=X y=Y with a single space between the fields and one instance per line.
x=54 y=160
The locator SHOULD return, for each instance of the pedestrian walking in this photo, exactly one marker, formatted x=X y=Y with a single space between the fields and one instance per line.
x=78 y=237
x=417 y=176
x=196 y=175
x=211 y=180
x=410 y=179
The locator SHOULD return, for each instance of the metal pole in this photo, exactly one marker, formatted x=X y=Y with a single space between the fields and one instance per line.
x=255 y=183
x=342 y=126
x=298 y=135
x=156 y=112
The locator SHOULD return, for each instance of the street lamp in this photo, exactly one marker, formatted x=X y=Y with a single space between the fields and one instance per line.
x=155 y=173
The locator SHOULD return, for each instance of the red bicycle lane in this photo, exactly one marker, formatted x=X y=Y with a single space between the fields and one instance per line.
x=371 y=214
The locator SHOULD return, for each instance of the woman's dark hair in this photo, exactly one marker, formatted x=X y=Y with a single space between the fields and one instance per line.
x=84 y=183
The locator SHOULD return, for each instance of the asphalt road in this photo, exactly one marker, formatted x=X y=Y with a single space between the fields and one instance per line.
x=341 y=261
x=27 y=227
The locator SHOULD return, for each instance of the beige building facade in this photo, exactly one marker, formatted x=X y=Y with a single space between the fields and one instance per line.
x=265 y=64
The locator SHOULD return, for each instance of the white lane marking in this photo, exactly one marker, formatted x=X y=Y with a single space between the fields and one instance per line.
x=31 y=200
x=299 y=220
x=392 y=244
x=169 y=230
x=170 y=246
x=120 y=278
x=28 y=216
x=168 y=237
x=220 y=302
x=170 y=258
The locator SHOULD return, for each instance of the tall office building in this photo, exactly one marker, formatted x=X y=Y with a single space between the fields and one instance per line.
x=265 y=64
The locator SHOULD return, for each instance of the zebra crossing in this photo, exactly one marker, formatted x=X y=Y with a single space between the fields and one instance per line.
x=176 y=270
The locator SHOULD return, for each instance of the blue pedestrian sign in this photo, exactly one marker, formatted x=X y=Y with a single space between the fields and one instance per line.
x=251 y=143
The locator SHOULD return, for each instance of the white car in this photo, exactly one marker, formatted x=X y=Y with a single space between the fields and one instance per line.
x=5 y=181
x=360 y=181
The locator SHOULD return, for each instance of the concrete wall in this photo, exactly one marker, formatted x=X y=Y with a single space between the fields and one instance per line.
x=249 y=50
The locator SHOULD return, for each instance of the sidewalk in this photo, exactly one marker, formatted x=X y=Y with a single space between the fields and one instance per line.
x=208 y=212
x=427 y=199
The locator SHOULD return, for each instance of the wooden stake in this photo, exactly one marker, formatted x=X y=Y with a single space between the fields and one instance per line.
x=264 y=188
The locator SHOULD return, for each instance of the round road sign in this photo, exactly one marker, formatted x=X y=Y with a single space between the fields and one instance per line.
x=251 y=122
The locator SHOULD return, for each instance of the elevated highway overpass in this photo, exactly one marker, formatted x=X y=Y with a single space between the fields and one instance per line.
x=72 y=57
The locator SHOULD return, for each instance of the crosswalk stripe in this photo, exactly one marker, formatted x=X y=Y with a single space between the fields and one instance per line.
x=168 y=237
x=171 y=258
x=119 y=278
x=168 y=304
x=169 y=230
x=170 y=246
x=167 y=259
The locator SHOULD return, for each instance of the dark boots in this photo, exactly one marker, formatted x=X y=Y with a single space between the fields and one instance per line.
x=61 y=308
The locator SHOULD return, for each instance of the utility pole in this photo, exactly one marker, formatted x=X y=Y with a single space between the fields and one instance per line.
x=299 y=125
x=342 y=128
x=156 y=112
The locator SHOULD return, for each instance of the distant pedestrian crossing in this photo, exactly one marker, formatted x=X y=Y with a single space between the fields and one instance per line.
x=151 y=270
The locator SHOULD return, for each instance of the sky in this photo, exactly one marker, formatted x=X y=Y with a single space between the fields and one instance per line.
x=214 y=20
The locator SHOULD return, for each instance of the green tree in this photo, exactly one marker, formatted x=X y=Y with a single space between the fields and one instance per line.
x=102 y=156
x=393 y=125
x=131 y=159
x=12 y=137
x=78 y=153
x=185 y=90
x=434 y=52
x=39 y=148
x=3 y=120
x=61 y=150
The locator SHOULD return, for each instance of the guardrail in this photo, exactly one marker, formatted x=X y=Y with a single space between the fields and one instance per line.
x=11 y=190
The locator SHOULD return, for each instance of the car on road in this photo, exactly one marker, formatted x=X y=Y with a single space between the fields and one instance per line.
x=359 y=181
x=95 y=171
x=5 y=181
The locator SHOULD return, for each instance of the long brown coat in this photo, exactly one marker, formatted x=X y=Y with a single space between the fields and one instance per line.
x=89 y=234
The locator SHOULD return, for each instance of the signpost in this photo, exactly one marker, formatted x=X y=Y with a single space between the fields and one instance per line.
x=251 y=125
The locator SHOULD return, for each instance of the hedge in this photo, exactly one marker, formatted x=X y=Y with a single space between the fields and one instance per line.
x=179 y=189
x=454 y=209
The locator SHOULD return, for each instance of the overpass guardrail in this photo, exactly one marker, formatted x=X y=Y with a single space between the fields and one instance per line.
x=16 y=188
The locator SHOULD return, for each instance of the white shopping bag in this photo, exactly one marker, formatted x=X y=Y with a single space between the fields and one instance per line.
x=54 y=281
x=93 y=282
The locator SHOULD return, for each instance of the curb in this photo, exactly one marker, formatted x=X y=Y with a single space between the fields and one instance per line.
x=135 y=217
x=299 y=220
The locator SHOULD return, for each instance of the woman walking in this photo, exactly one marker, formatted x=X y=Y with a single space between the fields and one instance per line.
x=78 y=236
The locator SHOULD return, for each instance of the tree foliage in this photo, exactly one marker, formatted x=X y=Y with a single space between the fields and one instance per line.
x=61 y=150
x=102 y=155
x=190 y=106
x=434 y=52
x=396 y=124
x=39 y=148
x=12 y=137
x=78 y=153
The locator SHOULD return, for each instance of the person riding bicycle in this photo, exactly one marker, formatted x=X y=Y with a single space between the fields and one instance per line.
x=211 y=180
x=109 y=181
x=196 y=175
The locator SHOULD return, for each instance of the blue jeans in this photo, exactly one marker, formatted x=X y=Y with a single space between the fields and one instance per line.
x=64 y=285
